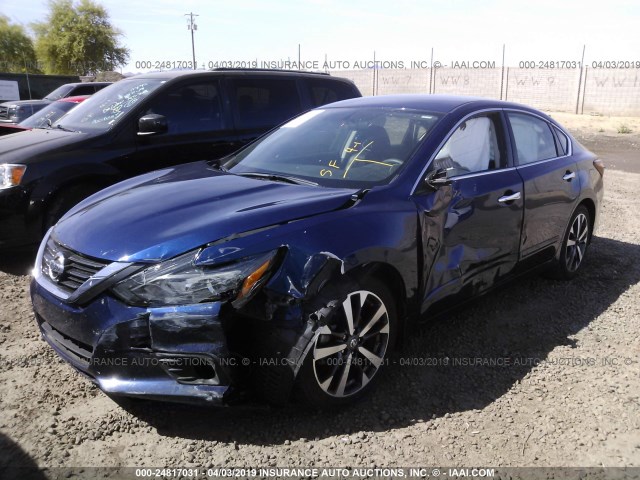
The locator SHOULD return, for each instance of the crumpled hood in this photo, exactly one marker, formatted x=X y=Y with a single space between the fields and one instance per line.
x=167 y=212
x=33 y=143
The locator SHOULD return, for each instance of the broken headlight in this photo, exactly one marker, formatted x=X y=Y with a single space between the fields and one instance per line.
x=181 y=281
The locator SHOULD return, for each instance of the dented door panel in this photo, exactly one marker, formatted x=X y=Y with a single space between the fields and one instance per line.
x=471 y=238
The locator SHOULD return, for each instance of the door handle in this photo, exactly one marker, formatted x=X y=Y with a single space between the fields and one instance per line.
x=567 y=177
x=509 y=198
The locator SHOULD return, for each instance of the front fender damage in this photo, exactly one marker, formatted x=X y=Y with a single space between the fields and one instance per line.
x=285 y=318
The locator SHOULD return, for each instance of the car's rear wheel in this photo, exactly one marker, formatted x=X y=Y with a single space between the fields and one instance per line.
x=347 y=353
x=574 y=245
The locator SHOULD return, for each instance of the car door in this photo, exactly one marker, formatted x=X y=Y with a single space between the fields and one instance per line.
x=471 y=227
x=198 y=127
x=551 y=187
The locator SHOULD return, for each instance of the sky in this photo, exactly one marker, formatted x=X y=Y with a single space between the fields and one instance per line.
x=276 y=31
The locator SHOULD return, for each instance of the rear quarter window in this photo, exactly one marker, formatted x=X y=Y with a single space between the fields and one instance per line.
x=562 y=141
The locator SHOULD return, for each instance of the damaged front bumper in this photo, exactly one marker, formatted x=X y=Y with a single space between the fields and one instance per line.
x=170 y=353
x=214 y=353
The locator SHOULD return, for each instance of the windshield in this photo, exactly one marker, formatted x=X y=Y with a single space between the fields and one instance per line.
x=105 y=108
x=338 y=147
x=59 y=93
x=50 y=113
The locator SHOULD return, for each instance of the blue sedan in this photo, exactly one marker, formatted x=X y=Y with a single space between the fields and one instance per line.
x=297 y=263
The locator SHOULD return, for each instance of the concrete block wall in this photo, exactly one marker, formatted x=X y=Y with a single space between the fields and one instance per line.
x=550 y=89
x=612 y=92
x=476 y=82
x=603 y=91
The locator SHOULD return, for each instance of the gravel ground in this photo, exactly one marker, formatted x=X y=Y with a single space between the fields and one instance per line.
x=560 y=386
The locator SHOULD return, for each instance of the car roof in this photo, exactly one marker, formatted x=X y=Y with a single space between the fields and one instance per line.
x=170 y=74
x=75 y=84
x=428 y=102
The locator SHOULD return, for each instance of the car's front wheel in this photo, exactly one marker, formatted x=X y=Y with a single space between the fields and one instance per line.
x=347 y=353
x=65 y=201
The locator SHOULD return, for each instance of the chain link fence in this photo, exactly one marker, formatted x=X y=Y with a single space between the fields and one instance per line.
x=586 y=90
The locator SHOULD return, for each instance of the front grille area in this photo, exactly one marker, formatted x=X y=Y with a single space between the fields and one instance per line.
x=4 y=113
x=73 y=269
x=79 y=351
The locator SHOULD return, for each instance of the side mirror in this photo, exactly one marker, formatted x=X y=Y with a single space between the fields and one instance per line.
x=152 y=124
x=437 y=178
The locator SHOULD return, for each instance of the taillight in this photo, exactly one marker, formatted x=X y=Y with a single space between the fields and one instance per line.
x=599 y=165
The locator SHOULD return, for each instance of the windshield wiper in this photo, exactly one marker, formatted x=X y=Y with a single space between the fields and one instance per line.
x=278 y=178
x=217 y=164
x=60 y=127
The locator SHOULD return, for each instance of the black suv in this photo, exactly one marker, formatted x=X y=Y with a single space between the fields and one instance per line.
x=18 y=110
x=140 y=124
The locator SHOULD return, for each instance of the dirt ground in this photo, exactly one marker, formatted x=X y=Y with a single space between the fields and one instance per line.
x=543 y=373
x=602 y=134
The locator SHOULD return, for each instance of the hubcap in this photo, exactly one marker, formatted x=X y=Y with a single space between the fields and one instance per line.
x=349 y=352
x=577 y=242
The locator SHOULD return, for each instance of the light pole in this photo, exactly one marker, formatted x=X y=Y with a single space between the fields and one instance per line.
x=192 y=26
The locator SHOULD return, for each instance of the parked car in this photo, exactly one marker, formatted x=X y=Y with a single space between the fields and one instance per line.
x=297 y=262
x=140 y=124
x=43 y=118
x=18 y=110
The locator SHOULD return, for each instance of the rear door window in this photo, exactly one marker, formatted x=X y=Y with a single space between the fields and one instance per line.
x=325 y=91
x=263 y=102
x=533 y=137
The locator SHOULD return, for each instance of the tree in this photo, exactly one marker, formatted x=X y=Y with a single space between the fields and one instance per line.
x=78 y=39
x=16 y=49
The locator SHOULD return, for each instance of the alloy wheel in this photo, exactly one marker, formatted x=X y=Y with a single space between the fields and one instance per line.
x=350 y=351
x=577 y=242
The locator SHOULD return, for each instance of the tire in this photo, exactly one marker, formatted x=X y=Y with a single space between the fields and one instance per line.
x=344 y=360
x=65 y=201
x=574 y=245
